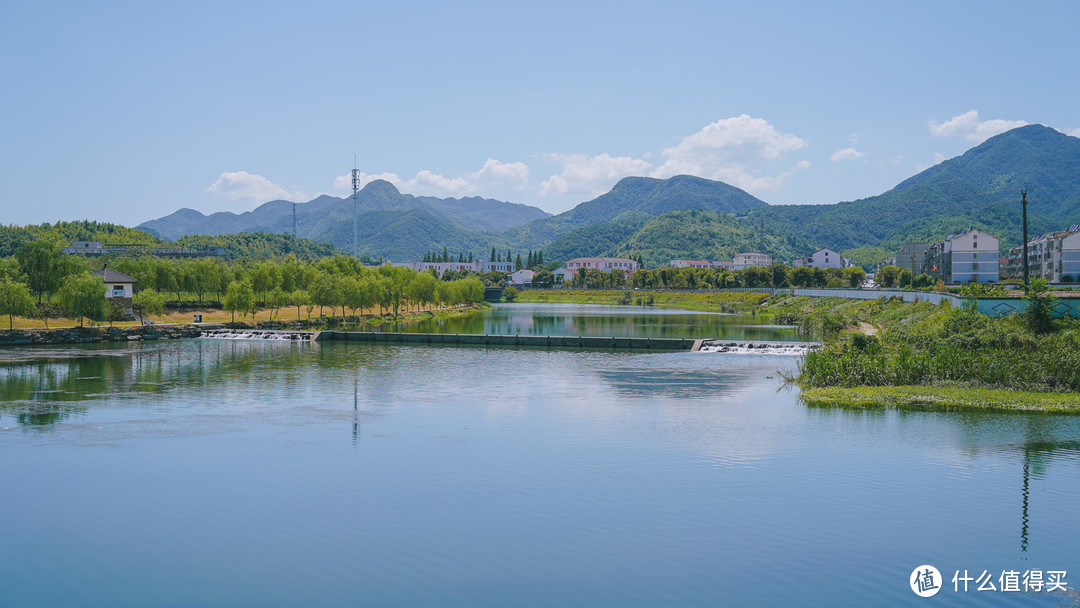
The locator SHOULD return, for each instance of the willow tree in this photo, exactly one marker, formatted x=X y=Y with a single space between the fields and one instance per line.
x=15 y=299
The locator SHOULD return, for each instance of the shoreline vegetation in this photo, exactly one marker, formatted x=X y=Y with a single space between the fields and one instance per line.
x=888 y=354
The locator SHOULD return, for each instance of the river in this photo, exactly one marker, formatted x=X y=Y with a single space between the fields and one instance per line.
x=247 y=473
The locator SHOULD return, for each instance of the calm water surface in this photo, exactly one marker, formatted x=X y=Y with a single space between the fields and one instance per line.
x=234 y=473
x=599 y=320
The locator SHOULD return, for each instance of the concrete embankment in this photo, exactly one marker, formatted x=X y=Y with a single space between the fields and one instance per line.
x=87 y=335
x=606 y=342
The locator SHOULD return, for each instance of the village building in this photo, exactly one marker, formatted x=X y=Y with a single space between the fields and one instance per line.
x=968 y=257
x=96 y=248
x=118 y=286
x=1054 y=257
x=911 y=256
x=714 y=264
x=440 y=268
x=823 y=258
x=603 y=264
x=751 y=260
x=521 y=277
x=564 y=276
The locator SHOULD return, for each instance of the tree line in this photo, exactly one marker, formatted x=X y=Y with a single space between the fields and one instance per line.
x=777 y=275
x=41 y=281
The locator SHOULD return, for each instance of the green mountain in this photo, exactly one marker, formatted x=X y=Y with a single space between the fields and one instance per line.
x=319 y=216
x=981 y=188
x=636 y=196
x=648 y=217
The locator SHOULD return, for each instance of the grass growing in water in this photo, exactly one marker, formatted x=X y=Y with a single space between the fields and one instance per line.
x=956 y=351
x=942 y=398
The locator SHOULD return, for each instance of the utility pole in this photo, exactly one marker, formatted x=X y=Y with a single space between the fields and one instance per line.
x=355 y=194
x=294 y=220
x=1023 y=203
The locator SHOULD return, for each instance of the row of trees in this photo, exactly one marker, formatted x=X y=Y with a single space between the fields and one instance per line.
x=893 y=276
x=357 y=289
x=63 y=284
x=777 y=275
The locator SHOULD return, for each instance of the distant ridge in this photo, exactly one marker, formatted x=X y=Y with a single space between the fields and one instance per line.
x=647 y=216
x=316 y=217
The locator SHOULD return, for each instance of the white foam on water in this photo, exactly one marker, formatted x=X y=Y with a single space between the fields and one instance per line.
x=757 y=348
x=257 y=334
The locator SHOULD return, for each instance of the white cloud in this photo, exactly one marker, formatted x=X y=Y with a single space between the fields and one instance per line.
x=424 y=183
x=846 y=154
x=938 y=159
x=1074 y=132
x=582 y=174
x=968 y=126
x=727 y=150
x=241 y=185
x=511 y=175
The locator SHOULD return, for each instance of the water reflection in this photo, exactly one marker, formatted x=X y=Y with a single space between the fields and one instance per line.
x=597 y=320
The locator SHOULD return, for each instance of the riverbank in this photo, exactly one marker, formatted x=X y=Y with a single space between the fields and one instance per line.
x=169 y=331
x=925 y=356
x=886 y=353
x=91 y=335
x=713 y=301
x=942 y=398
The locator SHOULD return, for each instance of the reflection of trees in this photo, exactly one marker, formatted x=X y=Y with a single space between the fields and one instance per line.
x=41 y=387
x=572 y=320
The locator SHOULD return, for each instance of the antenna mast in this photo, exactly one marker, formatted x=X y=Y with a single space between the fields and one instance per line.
x=1023 y=203
x=355 y=194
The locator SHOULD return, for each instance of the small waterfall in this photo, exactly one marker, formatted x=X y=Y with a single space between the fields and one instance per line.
x=757 y=348
x=259 y=334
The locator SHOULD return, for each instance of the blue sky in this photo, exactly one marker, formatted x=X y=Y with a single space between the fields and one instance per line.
x=126 y=112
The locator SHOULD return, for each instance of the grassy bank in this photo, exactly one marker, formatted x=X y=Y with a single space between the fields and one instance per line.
x=935 y=356
x=717 y=301
x=942 y=398
x=371 y=316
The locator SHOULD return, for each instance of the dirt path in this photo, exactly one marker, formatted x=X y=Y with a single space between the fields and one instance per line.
x=868 y=329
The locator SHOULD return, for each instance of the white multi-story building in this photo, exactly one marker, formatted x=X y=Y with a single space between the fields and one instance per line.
x=605 y=264
x=702 y=264
x=823 y=258
x=440 y=268
x=1054 y=257
x=968 y=257
x=751 y=260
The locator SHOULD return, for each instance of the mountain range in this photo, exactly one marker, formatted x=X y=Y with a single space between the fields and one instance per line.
x=685 y=216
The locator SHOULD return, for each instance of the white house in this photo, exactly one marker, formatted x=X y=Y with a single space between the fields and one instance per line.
x=118 y=286
x=968 y=257
x=521 y=277
x=564 y=275
x=751 y=260
x=604 y=264
x=823 y=258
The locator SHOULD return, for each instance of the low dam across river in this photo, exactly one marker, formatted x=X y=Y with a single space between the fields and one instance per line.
x=558 y=342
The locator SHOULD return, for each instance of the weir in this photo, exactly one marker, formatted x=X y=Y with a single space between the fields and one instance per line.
x=261 y=334
x=558 y=342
